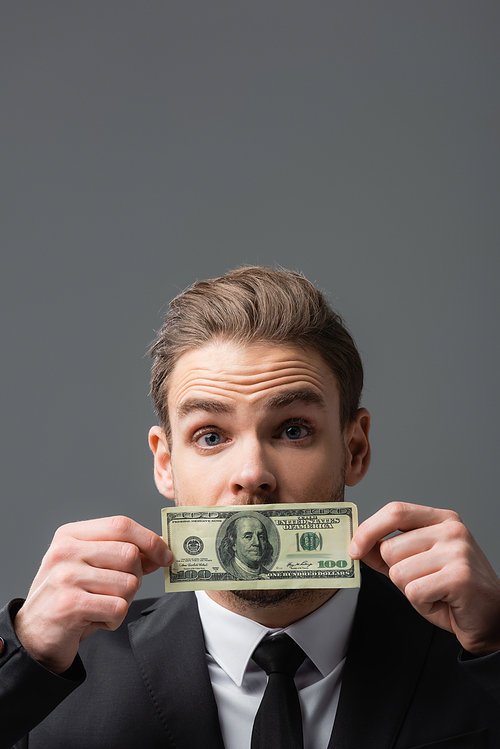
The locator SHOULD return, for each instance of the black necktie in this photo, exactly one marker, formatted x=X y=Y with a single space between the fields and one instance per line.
x=278 y=723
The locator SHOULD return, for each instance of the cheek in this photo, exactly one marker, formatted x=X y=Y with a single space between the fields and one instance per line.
x=309 y=466
x=196 y=482
x=317 y=473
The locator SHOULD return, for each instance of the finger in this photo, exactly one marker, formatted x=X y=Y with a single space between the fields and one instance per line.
x=114 y=555
x=110 y=583
x=106 y=555
x=437 y=612
x=78 y=608
x=417 y=567
x=455 y=585
x=109 y=611
x=404 y=545
x=69 y=581
x=374 y=560
x=456 y=599
x=432 y=596
x=393 y=517
x=450 y=538
x=148 y=566
x=110 y=555
x=153 y=548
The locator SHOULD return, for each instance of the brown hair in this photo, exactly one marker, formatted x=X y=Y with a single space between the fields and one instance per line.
x=250 y=305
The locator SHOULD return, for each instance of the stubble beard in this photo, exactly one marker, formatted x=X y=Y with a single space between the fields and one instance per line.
x=243 y=601
x=282 y=597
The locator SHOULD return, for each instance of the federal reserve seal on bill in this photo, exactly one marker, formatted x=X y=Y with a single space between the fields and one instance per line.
x=261 y=546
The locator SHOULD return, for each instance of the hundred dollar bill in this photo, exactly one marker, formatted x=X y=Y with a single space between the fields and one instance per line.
x=261 y=546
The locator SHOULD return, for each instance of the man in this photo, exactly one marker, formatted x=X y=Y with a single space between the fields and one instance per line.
x=245 y=549
x=257 y=386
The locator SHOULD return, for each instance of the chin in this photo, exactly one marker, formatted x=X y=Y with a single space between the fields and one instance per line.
x=266 y=598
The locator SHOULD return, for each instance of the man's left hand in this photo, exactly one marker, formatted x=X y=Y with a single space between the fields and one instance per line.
x=437 y=564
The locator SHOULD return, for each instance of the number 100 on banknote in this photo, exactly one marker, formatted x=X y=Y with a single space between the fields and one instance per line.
x=261 y=546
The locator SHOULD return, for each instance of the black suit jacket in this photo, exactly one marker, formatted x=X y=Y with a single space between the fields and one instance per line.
x=147 y=684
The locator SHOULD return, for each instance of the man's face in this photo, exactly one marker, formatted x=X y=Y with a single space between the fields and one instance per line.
x=250 y=541
x=255 y=424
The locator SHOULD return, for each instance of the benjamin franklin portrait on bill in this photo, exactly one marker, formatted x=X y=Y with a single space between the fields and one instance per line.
x=245 y=550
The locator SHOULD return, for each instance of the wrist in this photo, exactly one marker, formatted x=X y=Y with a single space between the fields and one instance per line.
x=36 y=644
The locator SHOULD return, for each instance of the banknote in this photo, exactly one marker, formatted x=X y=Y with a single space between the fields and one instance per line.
x=261 y=546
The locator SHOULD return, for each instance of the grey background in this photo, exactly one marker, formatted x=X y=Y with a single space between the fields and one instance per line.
x=144 y=145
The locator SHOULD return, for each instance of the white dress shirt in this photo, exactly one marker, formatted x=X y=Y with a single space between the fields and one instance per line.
x=239 y=684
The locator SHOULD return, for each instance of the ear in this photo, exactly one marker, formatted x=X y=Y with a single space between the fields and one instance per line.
x=357 y=444
x=162 y=462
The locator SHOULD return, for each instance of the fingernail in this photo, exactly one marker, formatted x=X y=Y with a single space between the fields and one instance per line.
x=168 y=557
x=353 y=550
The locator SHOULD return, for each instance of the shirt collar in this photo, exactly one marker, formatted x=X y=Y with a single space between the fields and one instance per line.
x=323 y=635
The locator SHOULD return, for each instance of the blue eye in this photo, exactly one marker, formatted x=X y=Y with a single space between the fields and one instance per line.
x=211 y=439
x=295 y=432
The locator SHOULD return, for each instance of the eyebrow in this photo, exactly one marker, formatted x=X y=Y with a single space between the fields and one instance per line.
x=208 y=406
x=306 y=396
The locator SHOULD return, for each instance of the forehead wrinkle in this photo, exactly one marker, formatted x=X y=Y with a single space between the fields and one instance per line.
x=229 y=389
x=260 y=374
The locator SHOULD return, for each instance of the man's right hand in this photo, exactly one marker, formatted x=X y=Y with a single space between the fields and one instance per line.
x=87 y=580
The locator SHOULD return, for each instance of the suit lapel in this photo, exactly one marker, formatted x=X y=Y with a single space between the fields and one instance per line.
x=168 y=645
x=388 y=647
x=386 y=653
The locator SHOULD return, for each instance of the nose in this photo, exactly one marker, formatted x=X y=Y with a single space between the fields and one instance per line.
x=252 y=472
